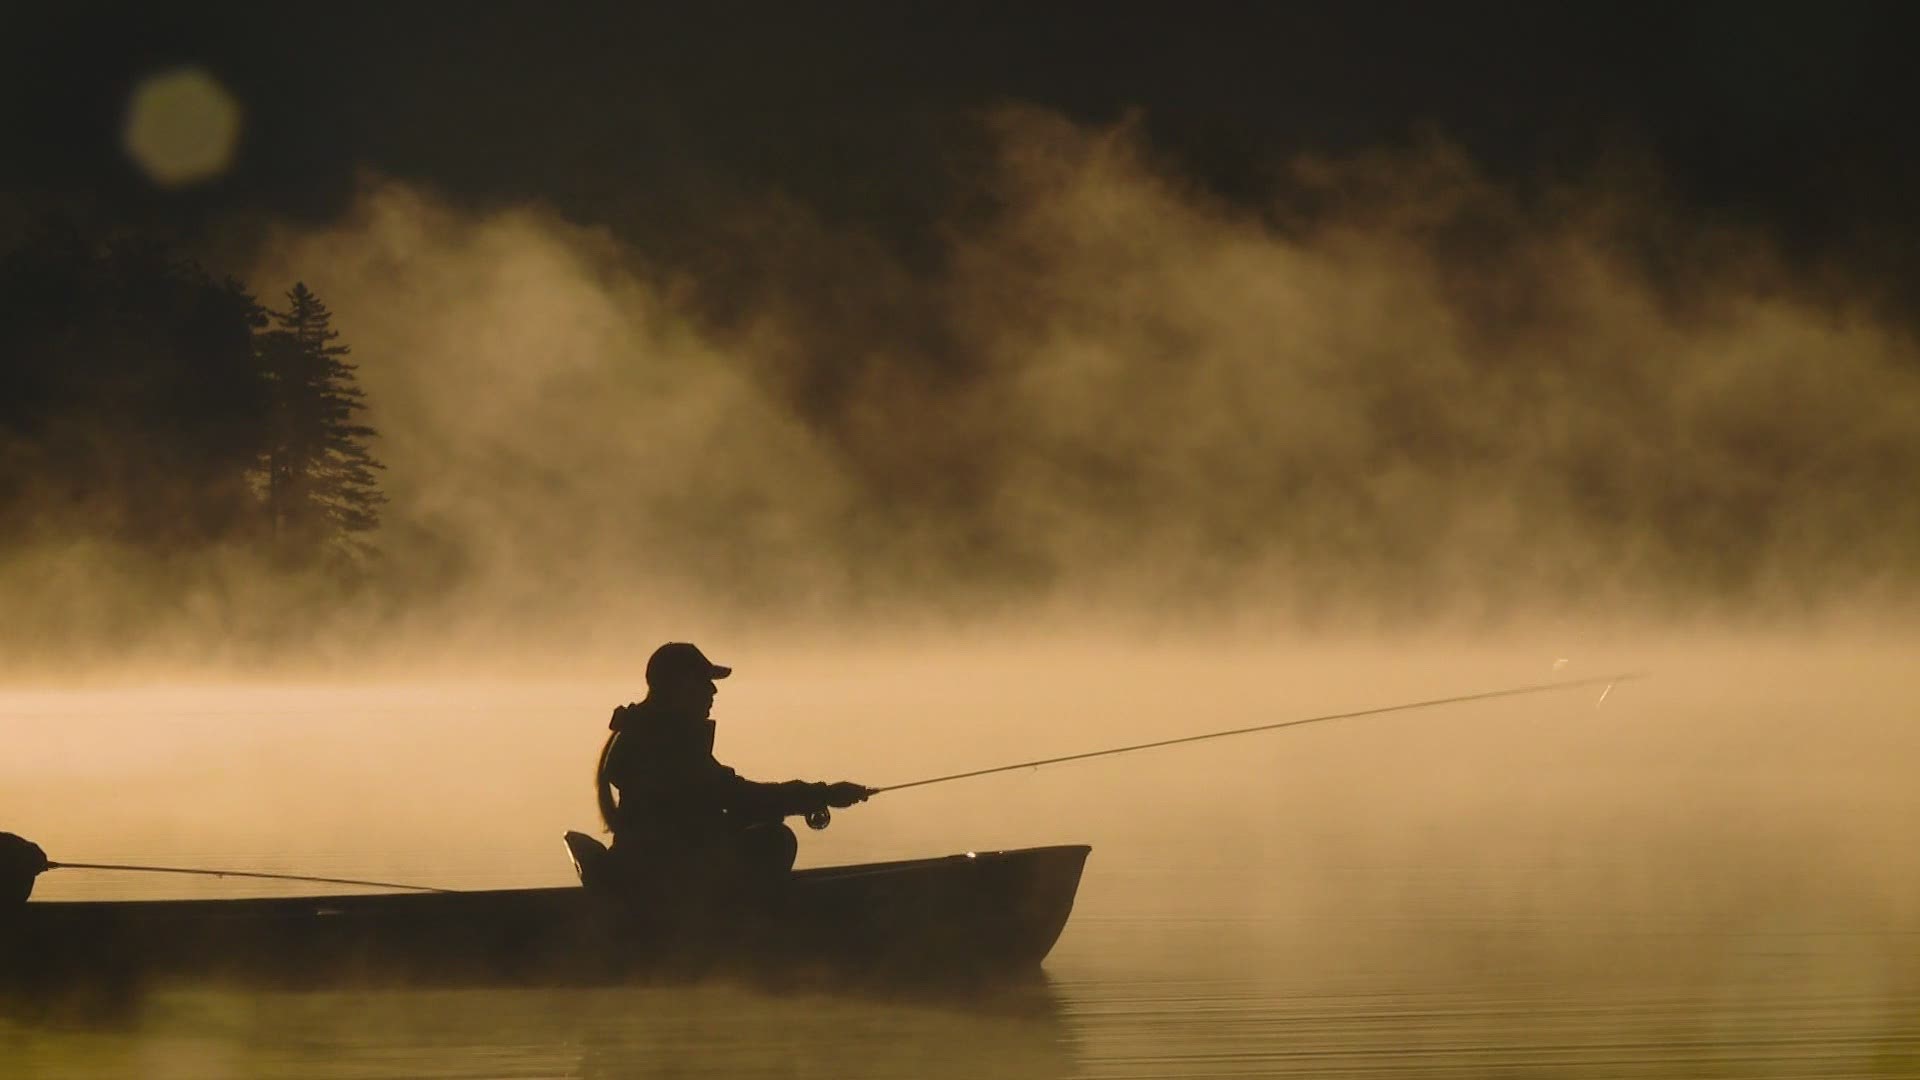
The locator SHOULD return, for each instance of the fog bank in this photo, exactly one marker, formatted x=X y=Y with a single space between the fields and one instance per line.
x=1398 y=394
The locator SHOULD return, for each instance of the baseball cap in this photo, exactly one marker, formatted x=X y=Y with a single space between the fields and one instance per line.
x=677 y=662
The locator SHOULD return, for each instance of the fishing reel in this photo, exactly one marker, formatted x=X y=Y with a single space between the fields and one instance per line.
x=818 y=819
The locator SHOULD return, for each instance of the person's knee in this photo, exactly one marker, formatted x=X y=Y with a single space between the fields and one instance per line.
x=773 y=846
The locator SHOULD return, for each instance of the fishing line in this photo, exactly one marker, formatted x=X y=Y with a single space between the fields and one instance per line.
x=1514 y=691
x=240 y=874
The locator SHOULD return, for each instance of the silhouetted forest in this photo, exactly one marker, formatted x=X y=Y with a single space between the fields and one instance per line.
x=148 y=404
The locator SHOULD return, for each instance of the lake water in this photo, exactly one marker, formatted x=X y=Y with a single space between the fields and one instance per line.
x=1712 y=873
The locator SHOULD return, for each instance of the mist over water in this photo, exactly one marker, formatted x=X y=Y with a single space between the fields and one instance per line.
x=1711 y=866
x=1398 y=393
x=1731 y=745
x=1424 y=396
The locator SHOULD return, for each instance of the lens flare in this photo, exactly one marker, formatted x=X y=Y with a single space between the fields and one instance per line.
x=182 y=127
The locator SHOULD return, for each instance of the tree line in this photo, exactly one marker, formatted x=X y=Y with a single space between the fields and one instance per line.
x=145 y=402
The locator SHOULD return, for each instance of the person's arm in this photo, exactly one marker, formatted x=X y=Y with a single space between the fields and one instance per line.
x=675 y=770
x=756 y=801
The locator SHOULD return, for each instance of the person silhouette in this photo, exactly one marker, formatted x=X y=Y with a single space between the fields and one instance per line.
x=21 y=860
x=683 y=824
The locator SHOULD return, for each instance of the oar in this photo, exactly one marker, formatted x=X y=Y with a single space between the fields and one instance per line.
x=240 y=874
x=1514 y=691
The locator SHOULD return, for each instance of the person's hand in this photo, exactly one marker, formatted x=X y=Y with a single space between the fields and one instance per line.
x=846 y=793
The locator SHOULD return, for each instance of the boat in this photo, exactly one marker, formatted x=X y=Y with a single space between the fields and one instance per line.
x=959 y=917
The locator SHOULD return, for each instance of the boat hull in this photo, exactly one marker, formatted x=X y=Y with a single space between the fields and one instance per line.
x=958 y=917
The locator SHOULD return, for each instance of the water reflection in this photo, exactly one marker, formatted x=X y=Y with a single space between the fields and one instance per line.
x=729 y=1031
x=1285 y=1004
x=709 y=1030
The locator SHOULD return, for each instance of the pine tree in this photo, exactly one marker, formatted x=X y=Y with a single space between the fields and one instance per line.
x=321 y=489
x=132 y=402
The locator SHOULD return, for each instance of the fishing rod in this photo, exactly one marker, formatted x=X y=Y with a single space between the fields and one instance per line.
x=241 y=874
x=1486 y=695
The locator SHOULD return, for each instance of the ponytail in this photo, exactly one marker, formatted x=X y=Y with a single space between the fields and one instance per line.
x=603 y=787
